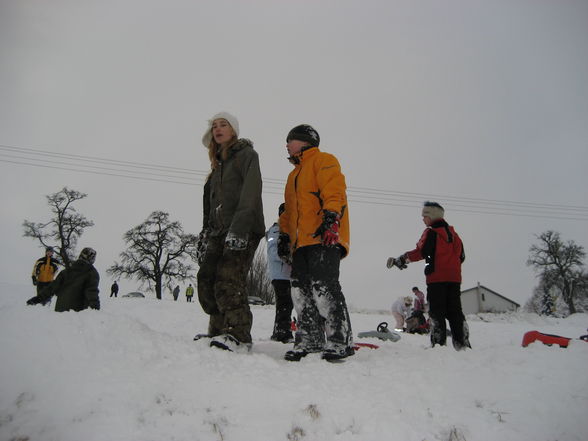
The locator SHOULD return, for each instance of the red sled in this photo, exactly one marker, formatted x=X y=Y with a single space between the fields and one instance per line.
x=546 y=339
x=358 y=346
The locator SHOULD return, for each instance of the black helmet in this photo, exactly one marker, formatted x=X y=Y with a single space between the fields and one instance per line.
x=305 y=133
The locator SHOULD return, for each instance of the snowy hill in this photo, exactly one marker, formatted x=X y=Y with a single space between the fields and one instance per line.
x=131 y=372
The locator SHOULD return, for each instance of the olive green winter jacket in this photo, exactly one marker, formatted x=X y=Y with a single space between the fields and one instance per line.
x=232 y=195
x=76 y=288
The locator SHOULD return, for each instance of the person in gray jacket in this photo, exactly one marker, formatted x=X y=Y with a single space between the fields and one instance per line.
x=232 y=227
x=76 y=287
x=280 y=276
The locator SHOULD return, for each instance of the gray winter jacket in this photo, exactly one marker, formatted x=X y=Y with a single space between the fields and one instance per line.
x=232 y=195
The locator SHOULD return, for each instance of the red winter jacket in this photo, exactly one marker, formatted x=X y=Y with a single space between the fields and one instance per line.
x=443 y=251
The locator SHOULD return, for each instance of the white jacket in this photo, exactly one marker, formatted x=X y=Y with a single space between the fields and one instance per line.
x=277 y=268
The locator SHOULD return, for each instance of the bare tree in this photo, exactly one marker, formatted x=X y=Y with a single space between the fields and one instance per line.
x=65 y=227
x=258 y=280
x=157 y=253
x=559 y=265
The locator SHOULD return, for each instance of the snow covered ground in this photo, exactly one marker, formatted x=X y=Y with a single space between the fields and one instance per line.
x=131 y=372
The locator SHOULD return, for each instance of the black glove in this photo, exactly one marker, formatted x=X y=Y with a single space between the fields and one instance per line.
x=201 y=246
x=400 y=262
x=34 y=300
x=34 y=280
x=284 y=248
x=329 y=229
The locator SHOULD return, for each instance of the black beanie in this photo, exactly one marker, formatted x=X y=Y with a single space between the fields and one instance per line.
x=305 y=133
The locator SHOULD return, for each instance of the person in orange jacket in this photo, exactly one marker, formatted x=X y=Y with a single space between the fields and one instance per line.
x=44 y=270
x=443 y=251
x=314 y=237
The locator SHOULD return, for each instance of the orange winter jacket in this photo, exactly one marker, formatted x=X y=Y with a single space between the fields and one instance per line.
x=315 y=184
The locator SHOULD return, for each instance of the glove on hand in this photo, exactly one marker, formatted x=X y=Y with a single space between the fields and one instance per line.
x=235 y=243
x=400 y=262
x=34 y=280
x=284 y=248
x=329 y=229
x=34 y=300
x=201 y=246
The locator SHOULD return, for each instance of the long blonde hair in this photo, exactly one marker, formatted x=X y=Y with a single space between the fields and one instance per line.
x=218 y=152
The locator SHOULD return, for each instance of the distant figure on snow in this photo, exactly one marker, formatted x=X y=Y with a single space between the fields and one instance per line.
x=189 y=292
x=114 y=290
x=44 y=270
x=401 y=310
x=176 y=292
x=419 y=303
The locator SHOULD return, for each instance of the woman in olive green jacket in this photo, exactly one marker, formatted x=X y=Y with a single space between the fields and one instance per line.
x=231 y=230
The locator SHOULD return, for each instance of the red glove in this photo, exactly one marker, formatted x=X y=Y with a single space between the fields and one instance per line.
x=329 y=229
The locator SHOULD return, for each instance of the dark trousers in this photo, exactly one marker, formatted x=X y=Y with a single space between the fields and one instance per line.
x=319 y=302
x=445 y=304
x=222 y=289
x=284 y=306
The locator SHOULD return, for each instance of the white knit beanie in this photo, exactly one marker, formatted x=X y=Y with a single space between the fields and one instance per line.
x=207 y=137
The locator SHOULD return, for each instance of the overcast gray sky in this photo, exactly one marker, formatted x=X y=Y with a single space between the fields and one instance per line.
x=482 y=106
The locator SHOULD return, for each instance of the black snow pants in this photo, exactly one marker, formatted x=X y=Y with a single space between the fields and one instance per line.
x=445 y=304
x=319 y=302
x=284 y=308
x=222 y=289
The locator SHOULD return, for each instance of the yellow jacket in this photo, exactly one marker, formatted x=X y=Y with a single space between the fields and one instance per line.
x=315 y=184
x=45 y=269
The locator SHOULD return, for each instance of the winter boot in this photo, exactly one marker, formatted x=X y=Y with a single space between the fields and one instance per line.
x=229 y=343
x=337 y=354
x=295 y=355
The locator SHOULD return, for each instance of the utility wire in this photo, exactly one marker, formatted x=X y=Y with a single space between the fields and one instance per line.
x=363 y=195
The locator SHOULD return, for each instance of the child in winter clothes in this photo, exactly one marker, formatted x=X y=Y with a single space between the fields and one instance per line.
x=314 y=236
x=442 y=249
x=401 y=309
x=280 y=276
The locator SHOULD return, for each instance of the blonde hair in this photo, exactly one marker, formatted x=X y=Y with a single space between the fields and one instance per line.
x=218 y=152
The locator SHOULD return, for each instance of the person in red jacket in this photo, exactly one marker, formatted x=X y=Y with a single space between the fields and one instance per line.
x=443 y=251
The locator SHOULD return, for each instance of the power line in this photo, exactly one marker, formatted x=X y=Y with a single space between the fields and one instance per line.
x=194 y=177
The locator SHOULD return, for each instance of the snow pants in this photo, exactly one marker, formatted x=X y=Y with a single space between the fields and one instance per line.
x=318 y=300
x=284 y=306
x=445 y=304
x=222 y=289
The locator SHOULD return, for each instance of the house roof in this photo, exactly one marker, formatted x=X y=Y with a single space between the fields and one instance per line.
x=493 y=292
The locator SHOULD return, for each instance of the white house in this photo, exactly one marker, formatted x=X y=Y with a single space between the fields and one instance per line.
x=482 y=299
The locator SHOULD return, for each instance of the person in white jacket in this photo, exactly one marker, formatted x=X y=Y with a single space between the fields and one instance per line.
x=280 y=276
x=401 y=310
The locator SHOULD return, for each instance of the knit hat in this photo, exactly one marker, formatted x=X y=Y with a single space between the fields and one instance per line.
x=207 y=137
x=433 y=210
x=88 y=255
x=305 y=133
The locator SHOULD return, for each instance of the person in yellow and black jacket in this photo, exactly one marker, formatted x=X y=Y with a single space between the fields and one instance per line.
x=44 y=270
x=314 y=236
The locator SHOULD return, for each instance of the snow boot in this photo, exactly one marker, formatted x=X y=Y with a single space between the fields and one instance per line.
x=337 y=354
x=229 y=343
x=295 y=355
